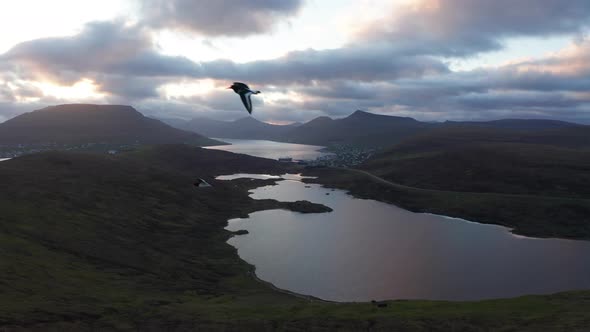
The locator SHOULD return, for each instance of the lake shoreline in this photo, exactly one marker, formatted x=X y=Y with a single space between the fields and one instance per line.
x=524 y=215
x=391 y=229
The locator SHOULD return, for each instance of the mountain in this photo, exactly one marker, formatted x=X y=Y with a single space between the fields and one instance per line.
x=245 y=128
x=84 y=123
x=374 y=130
x=360 y=128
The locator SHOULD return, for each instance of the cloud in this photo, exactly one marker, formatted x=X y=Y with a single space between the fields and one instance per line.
x=101 y=47
x=130 y=87
x=555 y=86
x=120 y=59
x=350 y=63
x=394 y=66
x=124 y=62
x=219 y=17
x=458 y=28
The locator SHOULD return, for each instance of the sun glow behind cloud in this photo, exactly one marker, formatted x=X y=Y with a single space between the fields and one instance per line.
x=82 y=90
x=188 y=89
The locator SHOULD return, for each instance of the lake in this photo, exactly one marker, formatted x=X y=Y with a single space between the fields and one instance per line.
x=270 y=149
x=367 y=250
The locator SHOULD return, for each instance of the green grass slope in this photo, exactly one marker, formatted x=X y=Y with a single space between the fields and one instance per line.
x=511 y=168
x=95 y=242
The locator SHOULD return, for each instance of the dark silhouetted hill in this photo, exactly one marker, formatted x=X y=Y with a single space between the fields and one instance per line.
x=83 y=123
x=364 y=129
x=374 y=130
x=360 y=128
x=245 y=128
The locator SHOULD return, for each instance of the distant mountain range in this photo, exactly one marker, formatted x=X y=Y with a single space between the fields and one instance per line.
x=245 y=128
x=84 y=123
x=360 y=129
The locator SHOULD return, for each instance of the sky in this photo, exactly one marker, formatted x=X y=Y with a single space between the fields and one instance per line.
x=433 y=60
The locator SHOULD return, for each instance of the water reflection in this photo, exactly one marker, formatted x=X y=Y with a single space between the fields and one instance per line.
x=295 y=177
x=270 y=149
x=247 y=176
x=368 y=250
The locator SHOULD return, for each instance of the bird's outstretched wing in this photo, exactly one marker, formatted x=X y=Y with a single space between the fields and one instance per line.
x=247 y=100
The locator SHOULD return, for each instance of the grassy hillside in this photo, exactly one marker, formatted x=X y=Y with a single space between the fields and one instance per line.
x=513 y=168
x=126 y=242
x=452 y=136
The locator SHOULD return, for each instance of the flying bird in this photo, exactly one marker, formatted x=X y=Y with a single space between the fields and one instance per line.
x=244 y=91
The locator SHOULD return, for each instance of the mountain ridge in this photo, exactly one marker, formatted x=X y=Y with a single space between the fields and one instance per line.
x=89 y=123
x=243 y=128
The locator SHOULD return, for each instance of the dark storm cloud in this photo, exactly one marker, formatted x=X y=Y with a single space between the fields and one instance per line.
x=130 y=88
x=219 y=17
x=464 y=27
x=350 y=63
x=341 y=90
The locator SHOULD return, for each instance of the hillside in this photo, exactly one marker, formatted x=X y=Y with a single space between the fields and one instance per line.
x=373 y=130
x=551 y=162
x=452 y=136
x=87 y=236
x=360 y=129
x=511 y=168
x=125 y=242
x=82 y=123
x=245 y=128
x=516 y=124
